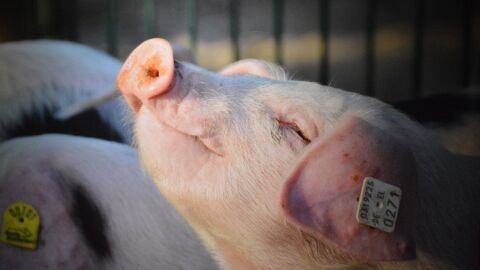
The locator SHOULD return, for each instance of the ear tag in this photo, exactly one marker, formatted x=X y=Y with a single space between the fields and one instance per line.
x=20 y=226
x=378 y=204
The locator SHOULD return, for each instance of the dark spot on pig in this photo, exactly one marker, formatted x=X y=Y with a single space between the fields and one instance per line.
x=355 y=178
x=87 y=124
x=91 y=222
x=346 y=155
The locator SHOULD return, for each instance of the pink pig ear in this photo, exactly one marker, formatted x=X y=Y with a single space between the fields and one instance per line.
x=322 y=193
x=255 y=67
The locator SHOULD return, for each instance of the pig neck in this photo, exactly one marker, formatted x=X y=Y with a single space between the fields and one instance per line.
x=448 y=210
x=232 y=258
x=269 y=246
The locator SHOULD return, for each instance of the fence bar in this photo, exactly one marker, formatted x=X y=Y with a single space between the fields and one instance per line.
x=191 y=7
x=468 y=8
x=418 y=47
x=278 y=6
x=234 y=20
x=370 y=48
x=43 y=18
x=324 y=11
x=112 y=27
x=149 y=18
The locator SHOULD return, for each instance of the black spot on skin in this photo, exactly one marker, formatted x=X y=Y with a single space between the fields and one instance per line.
x=445 y=109
x=87 y=124
x=91 y=222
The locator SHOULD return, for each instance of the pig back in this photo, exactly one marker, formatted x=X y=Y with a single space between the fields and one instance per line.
x=97 y=209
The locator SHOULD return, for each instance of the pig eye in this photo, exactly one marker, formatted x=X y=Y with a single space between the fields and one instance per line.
x=293 y=128
x=299 y=132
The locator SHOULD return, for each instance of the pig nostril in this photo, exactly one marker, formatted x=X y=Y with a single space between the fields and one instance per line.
x=153 y=73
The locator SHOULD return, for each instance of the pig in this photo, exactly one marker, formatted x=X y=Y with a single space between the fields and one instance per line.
x=97 y=209
x=41 y=79
x=269 y=171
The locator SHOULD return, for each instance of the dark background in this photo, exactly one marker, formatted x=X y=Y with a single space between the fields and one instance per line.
x=394 y=50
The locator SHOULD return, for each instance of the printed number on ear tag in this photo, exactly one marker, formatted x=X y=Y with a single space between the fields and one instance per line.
x=20 y=226
x=378 y=204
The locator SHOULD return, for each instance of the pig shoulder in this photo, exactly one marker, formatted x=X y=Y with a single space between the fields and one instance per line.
x=97 y=209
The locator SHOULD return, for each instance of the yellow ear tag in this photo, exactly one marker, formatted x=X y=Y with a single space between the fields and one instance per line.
x=21 y=223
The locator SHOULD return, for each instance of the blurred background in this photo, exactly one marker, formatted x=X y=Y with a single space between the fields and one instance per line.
x=394 y=50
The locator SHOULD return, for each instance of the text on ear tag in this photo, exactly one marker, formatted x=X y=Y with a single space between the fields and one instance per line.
x=20 y=226
x=378 y=204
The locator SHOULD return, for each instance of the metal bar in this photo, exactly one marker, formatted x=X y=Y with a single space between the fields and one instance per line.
x=324 y=11
x=191 y=7
x=72 y=28
x=370 y=48
x=418 y=47
x=44 y=18
x=468 y=8
x=234 y=20
x=112 y=27
x=278 y=7
x=34 y=19
x=149 y=18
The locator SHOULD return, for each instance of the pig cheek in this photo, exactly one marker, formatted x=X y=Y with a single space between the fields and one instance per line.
x=167 y=153
x=180 y=165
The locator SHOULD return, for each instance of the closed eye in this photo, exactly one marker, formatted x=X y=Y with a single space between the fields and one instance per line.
x=295 y=129
x=299 y=132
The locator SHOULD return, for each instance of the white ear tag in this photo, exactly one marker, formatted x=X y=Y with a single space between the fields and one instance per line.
x=378 y=204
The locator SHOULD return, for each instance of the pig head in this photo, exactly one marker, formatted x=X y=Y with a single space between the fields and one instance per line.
x=269 y=171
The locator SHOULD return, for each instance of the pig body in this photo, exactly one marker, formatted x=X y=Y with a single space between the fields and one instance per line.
x=97 y=209
x=41 y=79
x=267 y=170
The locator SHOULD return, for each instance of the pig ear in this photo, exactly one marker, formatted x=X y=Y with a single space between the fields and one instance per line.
x=321 y=195
x=255 y=67
x=86 y=104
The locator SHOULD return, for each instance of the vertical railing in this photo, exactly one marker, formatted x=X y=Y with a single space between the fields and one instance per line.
x=191 y=18
x=112 y=27
x=468 y=8
x=418 y=47
x=149 y=19
x=370 y=48
x=324 y=12
x=278 y=14
x=234 y=26
x=278 y=7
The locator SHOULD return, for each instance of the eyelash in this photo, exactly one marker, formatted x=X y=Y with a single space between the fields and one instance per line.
x=299 y=132
x=293 y=127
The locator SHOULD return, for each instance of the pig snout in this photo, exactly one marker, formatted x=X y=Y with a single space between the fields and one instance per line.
x=147 y=72
x=172 y=93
